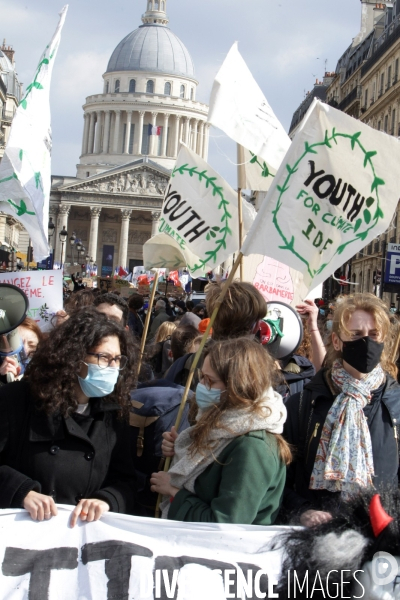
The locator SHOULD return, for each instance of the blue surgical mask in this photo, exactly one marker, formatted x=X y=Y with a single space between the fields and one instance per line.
x=205 y=398
x=98 y=382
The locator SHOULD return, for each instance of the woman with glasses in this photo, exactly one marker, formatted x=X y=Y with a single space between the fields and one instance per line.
x=231 y=466
x=63 y=438
x=344 y=425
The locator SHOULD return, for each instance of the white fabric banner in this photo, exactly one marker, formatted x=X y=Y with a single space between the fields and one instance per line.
x=335 y=192
x=240 y=109
x=253 y=172
x=25 y=170
x=44 y=290
x=199 y=221
x=134 y=558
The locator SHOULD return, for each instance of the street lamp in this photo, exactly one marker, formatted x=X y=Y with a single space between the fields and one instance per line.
x=72 y=242
x=63 y=238
x=50 y=229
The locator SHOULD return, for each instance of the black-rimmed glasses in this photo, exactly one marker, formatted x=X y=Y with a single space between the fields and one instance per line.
x=104 y=360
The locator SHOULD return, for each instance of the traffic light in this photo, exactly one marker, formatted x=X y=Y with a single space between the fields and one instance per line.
x=29 y=255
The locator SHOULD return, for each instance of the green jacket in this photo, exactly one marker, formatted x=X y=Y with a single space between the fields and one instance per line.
x=245 y=485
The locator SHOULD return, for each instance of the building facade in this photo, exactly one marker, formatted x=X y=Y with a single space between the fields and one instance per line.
x=131 y=136
x=366 y=85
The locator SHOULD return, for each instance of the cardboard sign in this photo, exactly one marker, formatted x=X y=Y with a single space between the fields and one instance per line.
x=43 y=290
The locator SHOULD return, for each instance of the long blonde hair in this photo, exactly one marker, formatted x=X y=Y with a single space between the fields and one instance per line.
x=379 y=311
x=165 y=331
x=247 y=370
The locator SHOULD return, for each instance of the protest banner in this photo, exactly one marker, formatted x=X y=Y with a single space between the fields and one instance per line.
x=130 y=557
x=276 y=281
x=200 y=214
x=336 y=190
x=44 y=290
x=240 y=109
x=25 y=170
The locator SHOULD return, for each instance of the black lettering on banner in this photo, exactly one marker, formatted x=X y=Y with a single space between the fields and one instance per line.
x=170 y=564
x=189 y=220
x=313 y=174
x=117 y=556
x=196 y=231
x=174 y=215
x=169 y=204
x=39 y=563
x=357 y=206
x=335 y=199
x=352 y=191
x=330 y=180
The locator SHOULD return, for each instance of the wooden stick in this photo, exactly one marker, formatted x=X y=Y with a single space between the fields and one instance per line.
x=240 y=209
x=196 y=361
x=147 y=321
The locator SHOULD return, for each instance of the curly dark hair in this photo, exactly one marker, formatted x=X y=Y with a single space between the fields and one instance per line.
x=79 y=300
x=52 y=372
x=114 y=300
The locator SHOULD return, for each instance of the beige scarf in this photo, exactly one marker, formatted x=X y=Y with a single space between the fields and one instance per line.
x=186 y=468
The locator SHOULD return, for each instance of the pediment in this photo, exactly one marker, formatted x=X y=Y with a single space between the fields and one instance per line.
x=133 y=180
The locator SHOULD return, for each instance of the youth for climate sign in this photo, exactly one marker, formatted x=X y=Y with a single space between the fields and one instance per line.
x=43 y=290
x=335 y=191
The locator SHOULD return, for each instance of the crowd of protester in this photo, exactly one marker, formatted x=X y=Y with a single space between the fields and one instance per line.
x=88 y=421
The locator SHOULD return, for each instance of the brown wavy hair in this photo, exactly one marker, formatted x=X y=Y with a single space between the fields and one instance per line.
x=247 y=371
x=53 y=370
x=379 y=311
x=240 y=310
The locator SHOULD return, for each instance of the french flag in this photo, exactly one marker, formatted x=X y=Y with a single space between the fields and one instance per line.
x=154 y=130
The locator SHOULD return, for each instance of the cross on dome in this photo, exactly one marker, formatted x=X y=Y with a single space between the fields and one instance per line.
x=155 y=13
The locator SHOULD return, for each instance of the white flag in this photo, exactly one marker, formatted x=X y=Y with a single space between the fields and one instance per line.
x=200 y=215
x=335 y=192
x=240 y=109
x=253 y=172
x=25 y=173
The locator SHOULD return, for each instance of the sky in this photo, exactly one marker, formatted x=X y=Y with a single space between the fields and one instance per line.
x=284 y=42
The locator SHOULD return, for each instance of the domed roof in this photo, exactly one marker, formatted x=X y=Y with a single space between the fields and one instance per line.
x=152 y=48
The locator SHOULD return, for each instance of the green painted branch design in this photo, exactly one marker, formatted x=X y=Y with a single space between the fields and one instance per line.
x=214 y=232
x=21 y=209
x=265 y=172
x=35 y=84
x=369 y=219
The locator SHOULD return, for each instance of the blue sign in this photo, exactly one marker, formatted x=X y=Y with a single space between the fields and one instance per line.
x=47 y=263
x=392 y=269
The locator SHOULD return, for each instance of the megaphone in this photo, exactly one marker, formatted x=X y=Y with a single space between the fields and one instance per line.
x=14 y=305
x=281 y=330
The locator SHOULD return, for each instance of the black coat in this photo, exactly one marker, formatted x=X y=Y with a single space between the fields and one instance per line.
x=54 y=456
x=303 y=430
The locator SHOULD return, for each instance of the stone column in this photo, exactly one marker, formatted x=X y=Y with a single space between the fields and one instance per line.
x=94 y=231
x=91 y=132
x=155 y=217
x=201 y=139
x=62 y=221
x=116 y=130
x=140 y=137
x=106 y=136
x=97 y=142
x=165 y=135
x=194 y=141
x=206 y=141
x=176 y=141
x=153 y=138
x=123 y=244
x=187 y=130
x=128 y=131
x=3 y=224
x=85 y=137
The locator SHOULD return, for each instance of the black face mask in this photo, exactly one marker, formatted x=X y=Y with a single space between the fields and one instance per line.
x=363 y=354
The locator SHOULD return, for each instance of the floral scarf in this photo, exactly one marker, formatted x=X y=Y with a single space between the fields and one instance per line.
x=344 y=457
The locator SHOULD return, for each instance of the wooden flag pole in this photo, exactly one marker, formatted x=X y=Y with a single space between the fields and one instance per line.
x=197 y=358
x=147 y=321
x=240 y=209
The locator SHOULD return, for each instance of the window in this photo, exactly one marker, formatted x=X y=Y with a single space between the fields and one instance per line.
x=182 y=94
x=156 y=5
x=107 y=88
x=392 y=129
x=132 y=86
x=87 y=174
x=150 y=5
x=366 y=99
x=163 y=5
x=167 y=89
x=191 y=93
x=389 y=77
x=150 y=87
x=116 y=86
x=396 y=71
x=382 y=84
x=379 y=126
x=385 y=126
